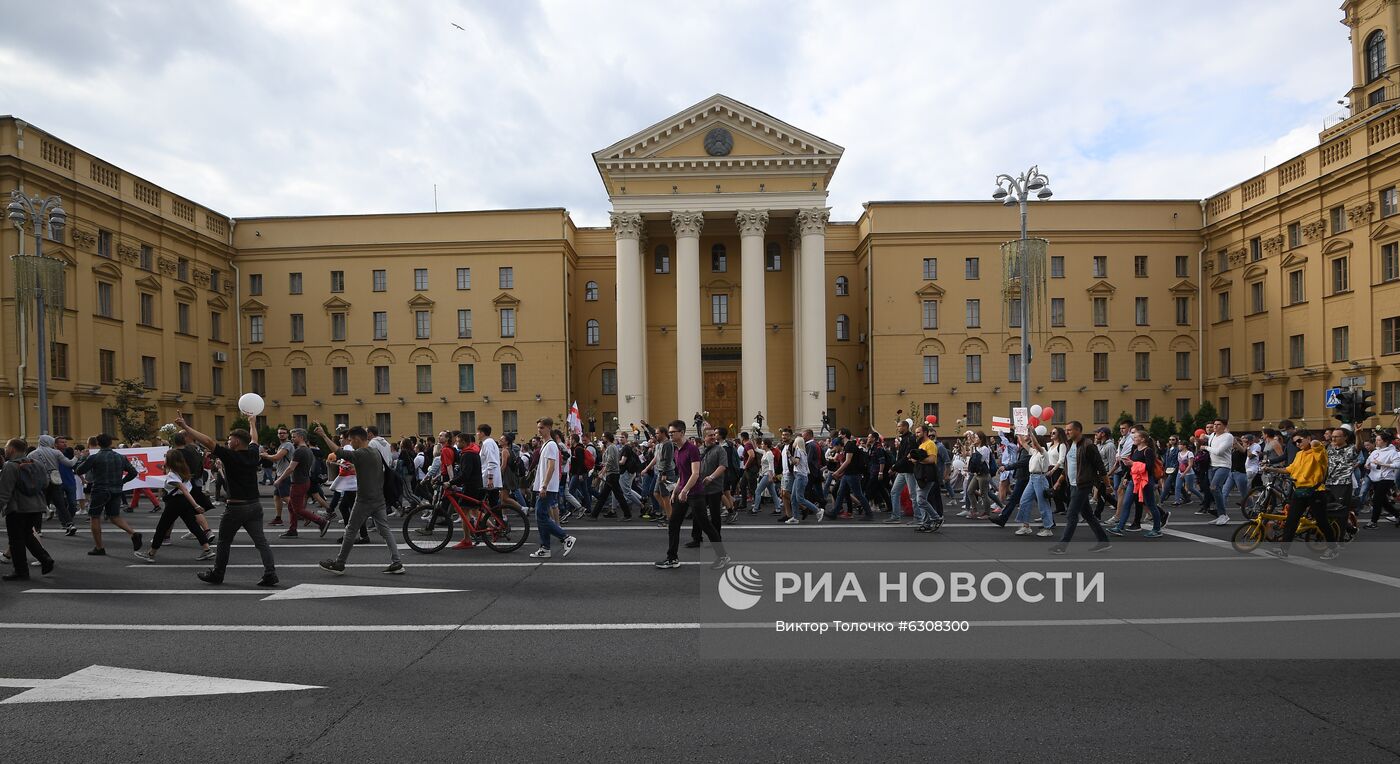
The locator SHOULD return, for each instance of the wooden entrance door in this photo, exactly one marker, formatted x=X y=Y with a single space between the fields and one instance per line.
x=722 y=398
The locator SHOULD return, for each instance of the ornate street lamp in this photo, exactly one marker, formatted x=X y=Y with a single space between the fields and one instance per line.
x=39 y=285
x=1025 y=258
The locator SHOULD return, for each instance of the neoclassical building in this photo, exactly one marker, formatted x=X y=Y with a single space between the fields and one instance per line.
x=722 y=285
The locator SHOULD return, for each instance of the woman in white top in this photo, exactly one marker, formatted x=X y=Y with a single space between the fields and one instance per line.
x=1037 y=489
x=179 y=502
x=1055 y=457
x=766 y=481
x=1381 y=467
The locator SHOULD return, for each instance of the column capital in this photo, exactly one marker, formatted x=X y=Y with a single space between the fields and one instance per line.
x=687 y=224
x=626 y=225
x=812 y=220
x=752 y=222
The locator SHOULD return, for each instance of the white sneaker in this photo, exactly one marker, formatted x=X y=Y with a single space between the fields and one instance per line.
x=187 y=536
x=964 y=513
x=568 y=545
x=143 y=556
x=1045 y=533
x=1024 y=530
x=540 y=553
x=791 y=521
x=206 y=554
x=1221 y=520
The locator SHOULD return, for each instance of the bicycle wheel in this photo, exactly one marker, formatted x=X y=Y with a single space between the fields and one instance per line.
x=430 y=535
x=1247 y=538
x=1314 y=539
x=504 y=528
x=1256 y=501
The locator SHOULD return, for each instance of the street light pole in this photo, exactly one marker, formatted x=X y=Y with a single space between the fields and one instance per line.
x=39 y=213
x=1017 y=191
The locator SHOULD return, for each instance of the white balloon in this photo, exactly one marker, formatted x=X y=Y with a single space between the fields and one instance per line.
x=251 y=404
x=1040 y=430
x=1035 y=411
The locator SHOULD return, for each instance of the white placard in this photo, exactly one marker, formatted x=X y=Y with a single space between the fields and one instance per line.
x=1021 y=420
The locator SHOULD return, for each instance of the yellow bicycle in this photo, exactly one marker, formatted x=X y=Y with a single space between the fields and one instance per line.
x=1268 y=526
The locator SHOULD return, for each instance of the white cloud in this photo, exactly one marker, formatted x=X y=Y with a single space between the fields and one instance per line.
x=257 y=108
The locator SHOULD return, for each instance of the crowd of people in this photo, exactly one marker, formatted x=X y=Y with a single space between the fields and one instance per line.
x=712 y=476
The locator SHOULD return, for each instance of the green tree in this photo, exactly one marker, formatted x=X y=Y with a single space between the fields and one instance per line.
x=240 y=423
x=1160 y=429
x=136 y=416
x=1186 y=428
x=1206 y=414
x=1123 y=416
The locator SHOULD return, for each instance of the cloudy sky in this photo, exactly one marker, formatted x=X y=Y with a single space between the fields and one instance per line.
x=293 y=107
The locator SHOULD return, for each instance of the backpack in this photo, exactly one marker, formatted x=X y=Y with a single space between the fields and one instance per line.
x=734 y=467
x=1157 y=469
x=393 y=487
x=976 y=464
x=630 y=461
x=31 y=480
x=517 y=466
x=588 y=458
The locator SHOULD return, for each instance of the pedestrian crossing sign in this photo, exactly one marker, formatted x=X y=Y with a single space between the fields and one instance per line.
x=1332 y=397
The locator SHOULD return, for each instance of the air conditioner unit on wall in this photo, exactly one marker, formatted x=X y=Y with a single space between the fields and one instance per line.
x=220 y=356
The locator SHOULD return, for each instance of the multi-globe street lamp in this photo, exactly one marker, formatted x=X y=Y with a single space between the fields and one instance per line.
x=1017 y=191
x=38 y=281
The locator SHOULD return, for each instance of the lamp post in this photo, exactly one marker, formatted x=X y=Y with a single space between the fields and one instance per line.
x=38 y=278
x=1016 y=191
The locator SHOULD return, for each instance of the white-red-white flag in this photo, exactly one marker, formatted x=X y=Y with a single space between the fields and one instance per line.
x=575 y=424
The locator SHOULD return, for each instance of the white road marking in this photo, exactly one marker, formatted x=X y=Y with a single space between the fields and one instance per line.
x=1364 y=575
x=298 y=592
x=635 y=563
x=110 y=682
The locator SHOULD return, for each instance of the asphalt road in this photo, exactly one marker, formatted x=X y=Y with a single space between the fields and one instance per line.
x=1194 y=653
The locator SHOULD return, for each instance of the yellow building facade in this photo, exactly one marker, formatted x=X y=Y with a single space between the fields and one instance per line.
x=723 y=286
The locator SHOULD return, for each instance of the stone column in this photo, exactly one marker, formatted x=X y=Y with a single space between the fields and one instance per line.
x=753 y=330
x=811 y=223
x=689 y=386
x=631 y=365
x=795 y=266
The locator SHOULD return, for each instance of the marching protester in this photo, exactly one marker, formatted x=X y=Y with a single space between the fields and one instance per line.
x=369 y=501
x=22 y=501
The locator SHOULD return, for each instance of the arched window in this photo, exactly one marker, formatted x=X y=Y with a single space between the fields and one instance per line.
x=773 y=257
x=661 y=262
x=592 y=338
x=1375 y=55
x=843 y=328
x=843 y=286
x=590 y=291
x=719 y=259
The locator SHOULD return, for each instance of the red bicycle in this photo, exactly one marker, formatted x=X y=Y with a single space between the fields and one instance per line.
x=503 y=528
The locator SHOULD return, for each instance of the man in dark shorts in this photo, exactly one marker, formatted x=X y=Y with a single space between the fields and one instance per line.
x=242 y=464
x=108 y=471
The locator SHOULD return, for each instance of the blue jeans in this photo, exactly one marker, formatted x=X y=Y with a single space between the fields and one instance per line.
x=581 y=488
x=1130 y=500
x=851 y=486
x=548 y=528
x=1079 y=508
x=766 y=483
x=1037 y=492
x=1221 y=479
x=1186 y=486
x=799 y=496
x=923 y=511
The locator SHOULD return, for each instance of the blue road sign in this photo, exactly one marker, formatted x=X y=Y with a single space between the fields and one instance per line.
x=1332 y=401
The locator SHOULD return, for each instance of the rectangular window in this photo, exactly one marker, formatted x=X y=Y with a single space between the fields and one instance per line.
x=1390 y=261
x=974 y=414
x=1057 y=266
x=215 y=279
x=1183 y=310
x=379 y=280
x=255 y=283
x=1140 y=311
x=930 y=369
x=1256 y=249
x=1061 y=413
x=972 y=268
x=772 y=258
x=1225 y=362
x=930 y=268
x=1183 y=408
x=384 y=423
x=381 y=382
x=464 y=324
x=1100 y=367
x=1388 y=203
x=105 y=307
x=929 y=408
x=1256 y=406
x=424 y=376
x=1142 y=409
x=1295 y=235
x=1057 y=311
x=1341 y=275
x=1295 y=351
x=1100 y=411
x=1013 y=367
x=831 y=379
x=930 y=314
x=1341 y=343
x=1183 y=364
x=298 y=328
x=148 y=309
x=507 y=377
x=216 y=326
x=466 y=378
x=510 y=420
x=182 y=269
x=104 y=244
x=107 y=367
x=719 y=309
x=186 y=376
x=1258 y=358
x=216 y=379
x=1390 y=335
x=1100 y=311
x=974 y=368
x=1256 y=297
x=719 y=259
x=1142 y=366
x=1182 y=262
x=182 y=317
x=338 y=327
x=1100 y=267
x=507 y=322
x=298 y=381
x=1223 y=408
x=422 y=324
x=974 y=314
x=381 y=325
x=420 y=279
x=109 y=421
x=1295 y=403
x=1222 y=306
x=1295 y=287
x=340 y=380
x=1140 y=266
x=425 y=423
x=258 y=381
x=148 y=258
x=1390 y=395
x=662 y=262
x=507 y=278
x=464 y=278
x=255 y=328
x=58 y=361
x=1222 y=261
x=337 y=281
x=1013 y=308
x=610 y=381
x=294 y=283
x=1375 y=96
x=1057 y=368
x=466 y=421
x=62 y=423
x=1337 y=219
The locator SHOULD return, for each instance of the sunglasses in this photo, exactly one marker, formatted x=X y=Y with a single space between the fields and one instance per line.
x=674 y=432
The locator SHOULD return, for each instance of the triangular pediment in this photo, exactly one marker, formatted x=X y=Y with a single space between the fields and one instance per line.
x=149 y=283
x=755 y=133
x=420 y=302
x=336 y=304
x=1292 y=261
x=506 y=300
x=1101 y=287
x=1384 y=231
x=929 y=291
x=252 y=306
x=1184 y=286
x=1221 y=282
x=218 y=301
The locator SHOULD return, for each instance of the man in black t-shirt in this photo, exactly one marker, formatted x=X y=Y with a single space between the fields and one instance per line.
x=242 y=465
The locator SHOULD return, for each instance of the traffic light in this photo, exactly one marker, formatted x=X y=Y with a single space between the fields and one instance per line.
x=1345 y=402
x=1361 y=404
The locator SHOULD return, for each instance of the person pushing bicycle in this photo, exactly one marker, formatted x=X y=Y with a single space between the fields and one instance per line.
x=1308 y=470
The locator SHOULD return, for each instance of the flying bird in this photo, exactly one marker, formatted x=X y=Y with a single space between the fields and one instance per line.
x=459 y=26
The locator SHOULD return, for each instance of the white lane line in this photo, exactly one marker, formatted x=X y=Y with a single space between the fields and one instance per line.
x=631 y=563
x=1364 y=575
x=210 y=590
x=676 y=626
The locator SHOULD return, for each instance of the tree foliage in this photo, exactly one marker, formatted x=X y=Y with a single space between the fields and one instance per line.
x=136 y=415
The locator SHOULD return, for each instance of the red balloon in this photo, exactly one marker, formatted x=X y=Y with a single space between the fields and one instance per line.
x=1034 y=422
x=1199 y=433
x=1048 y=414
x=931 y=419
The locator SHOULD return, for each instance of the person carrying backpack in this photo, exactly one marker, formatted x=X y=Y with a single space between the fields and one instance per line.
x=22 y=487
